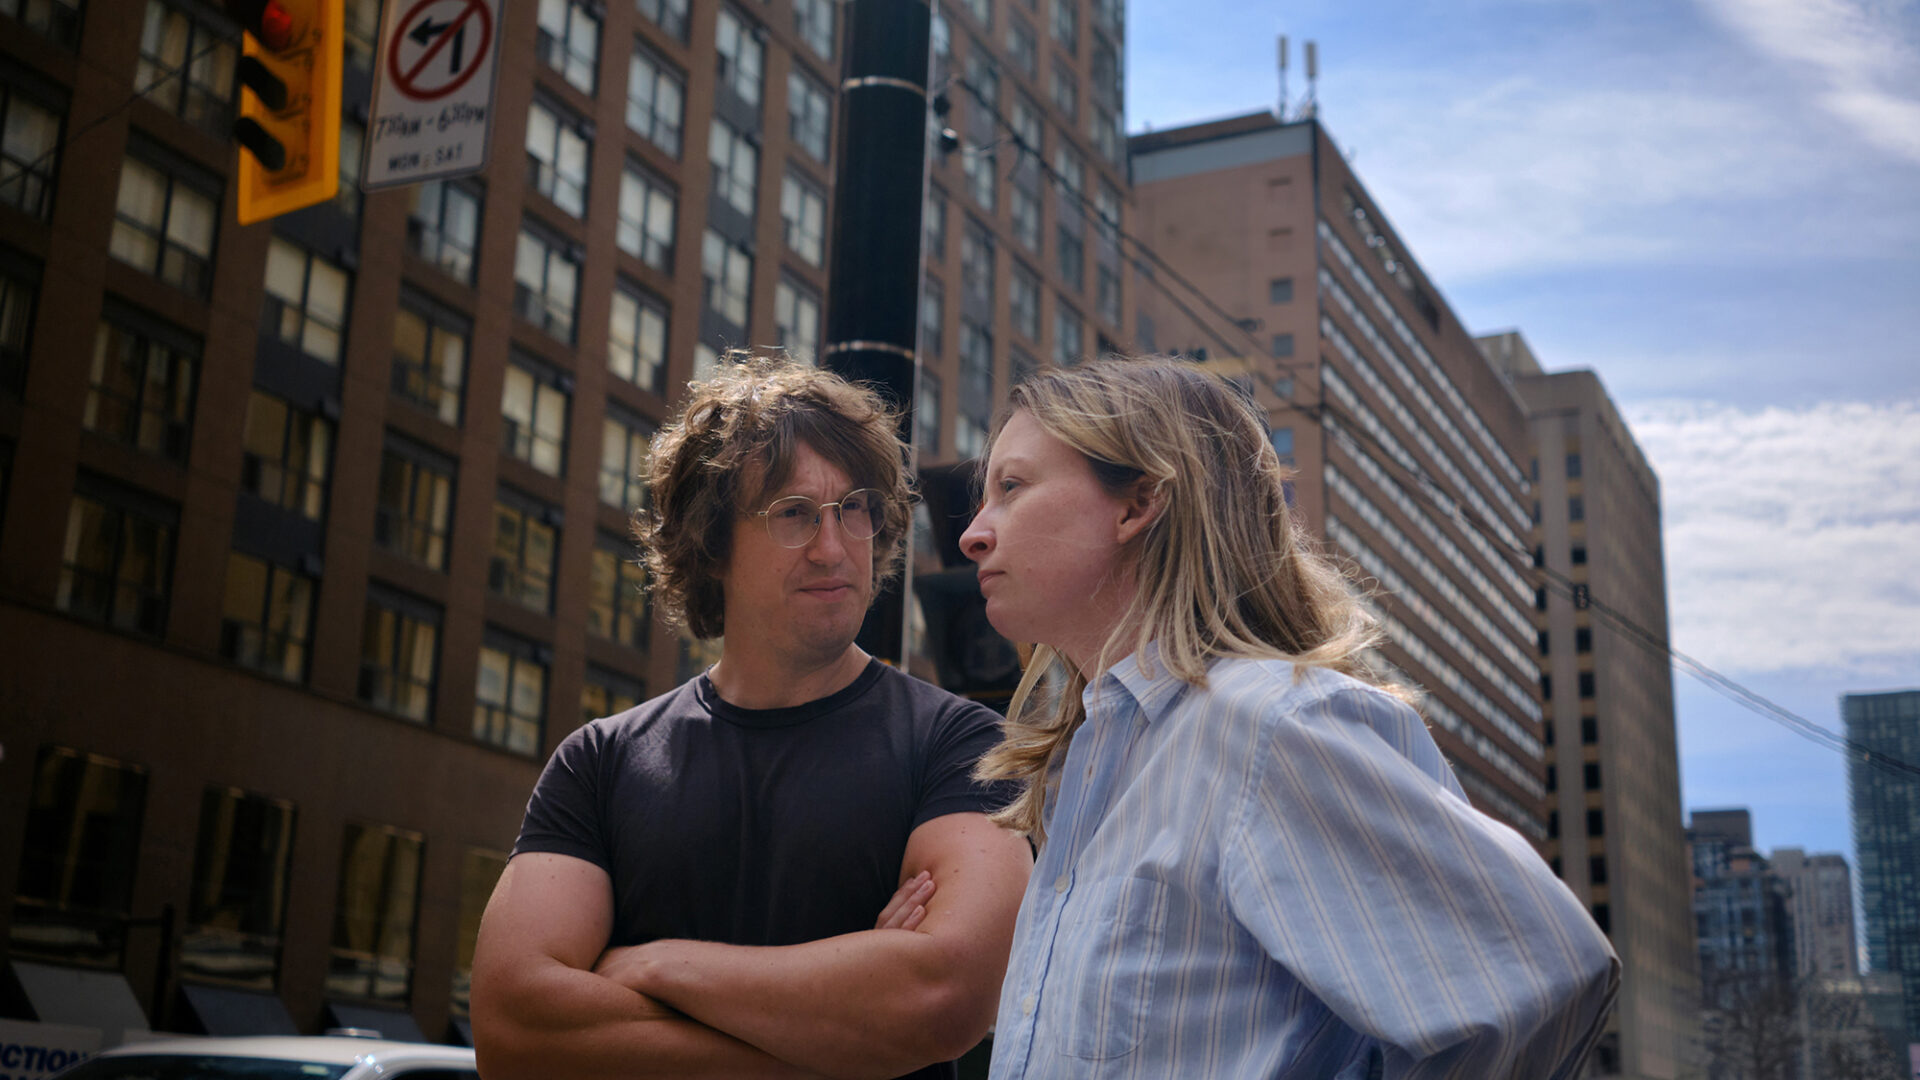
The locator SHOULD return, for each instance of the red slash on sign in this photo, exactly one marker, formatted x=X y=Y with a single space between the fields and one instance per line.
x=450 y=37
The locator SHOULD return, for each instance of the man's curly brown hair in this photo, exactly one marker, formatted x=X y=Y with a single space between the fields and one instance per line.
x=731 y=444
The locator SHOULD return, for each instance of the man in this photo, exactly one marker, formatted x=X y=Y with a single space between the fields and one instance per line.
x=782 y=867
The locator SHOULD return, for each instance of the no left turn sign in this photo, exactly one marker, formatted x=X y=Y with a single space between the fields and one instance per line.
x=432 y=112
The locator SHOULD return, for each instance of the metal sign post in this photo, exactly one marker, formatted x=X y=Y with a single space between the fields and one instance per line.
x=432 y=114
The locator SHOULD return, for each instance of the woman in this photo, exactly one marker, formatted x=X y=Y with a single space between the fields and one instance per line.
x=1253 y=860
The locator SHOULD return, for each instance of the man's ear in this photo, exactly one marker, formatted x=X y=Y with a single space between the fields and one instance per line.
x=1144 y=504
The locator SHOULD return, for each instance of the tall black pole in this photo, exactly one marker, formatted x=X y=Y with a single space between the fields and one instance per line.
x=873 y=284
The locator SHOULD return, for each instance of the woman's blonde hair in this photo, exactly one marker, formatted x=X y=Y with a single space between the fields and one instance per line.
x=1224 y=570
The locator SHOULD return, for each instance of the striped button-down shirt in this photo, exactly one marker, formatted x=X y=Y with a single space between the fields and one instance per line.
x=1279 y=877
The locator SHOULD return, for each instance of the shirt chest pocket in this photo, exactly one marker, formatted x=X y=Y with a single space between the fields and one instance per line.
x=1099 y=992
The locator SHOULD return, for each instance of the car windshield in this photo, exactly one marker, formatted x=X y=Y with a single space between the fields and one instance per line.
x=201 y=1067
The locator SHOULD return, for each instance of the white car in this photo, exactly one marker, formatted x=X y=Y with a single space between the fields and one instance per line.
x=316 y=1057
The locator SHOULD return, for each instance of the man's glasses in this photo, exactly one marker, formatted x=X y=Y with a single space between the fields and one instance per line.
x=794 y=521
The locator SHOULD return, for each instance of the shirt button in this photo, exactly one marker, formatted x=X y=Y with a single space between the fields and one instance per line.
x=1061 y=884
x=1026 y=1005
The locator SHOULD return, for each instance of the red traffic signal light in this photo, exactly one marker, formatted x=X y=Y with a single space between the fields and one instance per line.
x=289 y=125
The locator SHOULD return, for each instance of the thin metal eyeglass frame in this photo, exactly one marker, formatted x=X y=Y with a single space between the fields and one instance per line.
x=877 y=515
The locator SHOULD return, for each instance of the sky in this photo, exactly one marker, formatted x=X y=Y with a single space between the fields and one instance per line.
x=1714 y=205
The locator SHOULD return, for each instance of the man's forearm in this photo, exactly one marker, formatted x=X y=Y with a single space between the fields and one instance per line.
x=559 y=1021
x=876 y=1003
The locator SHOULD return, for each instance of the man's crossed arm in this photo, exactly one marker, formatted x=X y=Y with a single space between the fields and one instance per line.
x=920 y=988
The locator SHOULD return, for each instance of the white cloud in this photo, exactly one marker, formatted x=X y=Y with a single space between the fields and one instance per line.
x=1791 y=534
x=1854 y=49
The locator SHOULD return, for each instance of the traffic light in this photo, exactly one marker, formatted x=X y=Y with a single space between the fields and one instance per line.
x=289 y=124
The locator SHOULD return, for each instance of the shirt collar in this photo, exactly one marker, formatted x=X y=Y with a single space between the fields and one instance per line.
x=1141 y=677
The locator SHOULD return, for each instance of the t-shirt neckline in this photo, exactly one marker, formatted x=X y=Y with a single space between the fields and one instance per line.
x=721 y=709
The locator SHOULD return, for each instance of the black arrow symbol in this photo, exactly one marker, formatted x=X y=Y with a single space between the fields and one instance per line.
x=428 y=30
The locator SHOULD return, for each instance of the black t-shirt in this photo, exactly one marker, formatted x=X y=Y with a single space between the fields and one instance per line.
x=761 y=826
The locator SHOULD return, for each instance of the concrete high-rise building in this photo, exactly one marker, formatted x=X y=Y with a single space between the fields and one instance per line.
x=1822 y=912
x=313 y=534
x=1369 y=381
x=1745 y=928
x=1613 y=776
x=1886 y=836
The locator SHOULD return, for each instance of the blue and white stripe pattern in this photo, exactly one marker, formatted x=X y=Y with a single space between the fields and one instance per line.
x=1278 y=877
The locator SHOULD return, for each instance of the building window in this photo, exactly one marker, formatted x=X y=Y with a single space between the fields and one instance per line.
x=286 y=455
x=186 y=66
x=1576 y=509
x=1066 y=25
x=796 y=320
x=736 y=167
x=1553 y=824
x=1597 y=870
x=1072 y=250
x=429 y=356
x=1107 y=294
x=443 y=226
x=637 y=338
x=625 y=442
x=141 y=388
x=306 y=300
x=1589 y=731
x=397 y=654
x=557 y=151
x=533 y=407
x=510 y=695
x=1023 y=301
x=803 y=218
x=1020 y=367
x=1573 y=466
x=813 y=22
x=727 y=271
x=374 y=914
x=479 y=872
x=1602 y=916
x=1104 y=72
x=668 y=15
x=604 y=693
x=1280 y=290
x=361 y=32
x=1065 y=93
x=415 y=503
x=1553 y=778
x=164 y=225
x=656 y=100
x=936 y=223
x=1543 y=639
x=1577 y=555
x=546 y=282
x=1109 y=141
x=933 y=317
x=242 y=879
x=1282 y=345
x=809 y=111
x=981 y=10
x=1143 y=337
x=118 y=561
x=1590 y=775
x=77 y=862
x=1596 y=824
x=569 y=41
x=59 y=20
x=1582 y=640
x=1539 y=599
x=976 y=264
x=18 y=294
x=27 y=153
x=1282 y=439
x=926 y=413
x=266 y=617
x=617 y=597
x=648 y=209
x=352 y=141
x=1586 y=684
x=1022 y=47
x=741 y=57
x=1068 y=343
x=1024 y=208
x=525 y=544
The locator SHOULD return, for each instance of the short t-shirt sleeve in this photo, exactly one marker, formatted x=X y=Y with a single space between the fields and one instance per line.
x=563 y=814
x=964 y=732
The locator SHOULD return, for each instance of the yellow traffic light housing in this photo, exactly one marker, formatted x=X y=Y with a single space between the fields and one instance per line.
x=289 y=124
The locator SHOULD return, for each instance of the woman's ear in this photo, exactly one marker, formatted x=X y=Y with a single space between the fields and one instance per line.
x=1145 y=502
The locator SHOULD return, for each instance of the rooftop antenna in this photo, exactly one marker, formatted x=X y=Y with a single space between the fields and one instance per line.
x=1283 y=78
x=1311 y=107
